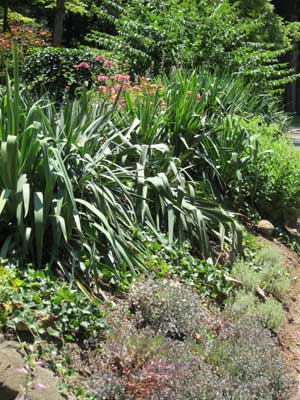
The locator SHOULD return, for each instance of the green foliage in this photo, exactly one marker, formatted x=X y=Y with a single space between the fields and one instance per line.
x=271 y=314
x=245 y=303
x=157 y=35
x=175 y=261
x=274 y=278
x=37 y=302
x=248 y=276
x=263 y=270
x=74 y=6
x=51 y=70
x=275 y=177
x=75 y=187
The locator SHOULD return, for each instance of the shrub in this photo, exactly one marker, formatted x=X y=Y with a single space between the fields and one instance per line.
x=275 y=177
x=245 y=303
x=168 y=308
x=270 y=313
x=274 y=277
x=54 y=71
x=246 y=274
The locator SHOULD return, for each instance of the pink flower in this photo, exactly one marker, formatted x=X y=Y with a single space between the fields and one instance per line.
x=21 y=371
x=30 y=31
x=136 y=89
x=120 y=88
x=13 y=30
x=83 y=64
x=113 y=97
x=108 y=64
x=122 y=78
x=189 y=92
x=102 y=78
x=102 y=89
x=43 y=33
x=39 y=363
x=41 y=386
x=112 y=90
x=100 y=58
x=198 y=97
x=123 y=102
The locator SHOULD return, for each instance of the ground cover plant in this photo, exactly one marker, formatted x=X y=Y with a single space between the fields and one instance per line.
x=221 y=357
x=32 y=301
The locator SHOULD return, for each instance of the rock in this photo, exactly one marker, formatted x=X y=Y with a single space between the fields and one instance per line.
x=266 y=228
x=44 y=386
x=14 y=377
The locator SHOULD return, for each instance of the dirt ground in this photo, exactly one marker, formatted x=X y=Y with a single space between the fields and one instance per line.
x=289 y=335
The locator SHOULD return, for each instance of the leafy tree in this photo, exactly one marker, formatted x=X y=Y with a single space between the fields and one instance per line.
x=246 y=36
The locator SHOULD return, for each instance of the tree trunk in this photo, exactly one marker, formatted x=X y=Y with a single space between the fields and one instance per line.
x=59 y=23
x=5 y=16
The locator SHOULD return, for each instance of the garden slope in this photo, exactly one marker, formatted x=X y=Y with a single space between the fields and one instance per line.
x=289 y=335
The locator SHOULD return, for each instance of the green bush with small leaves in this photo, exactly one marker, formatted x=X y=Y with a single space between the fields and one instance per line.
x=274 y=180
x=53 y=70
x=271 y=314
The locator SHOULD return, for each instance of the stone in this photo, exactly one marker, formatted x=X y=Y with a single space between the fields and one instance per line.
x=43 y=385
x=266 y=228
x=13 y=377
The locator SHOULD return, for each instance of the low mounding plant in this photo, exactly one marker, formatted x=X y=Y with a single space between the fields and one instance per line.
x=247 y=354
x=264 y=270
x=233 y=357
x=269 y=313
x=168 y=308
x=140 y=365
